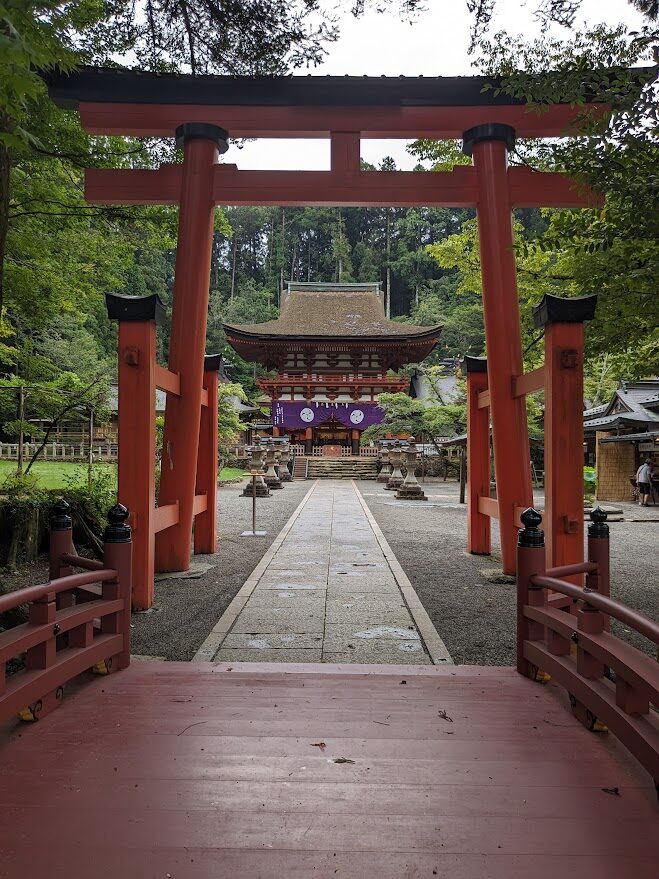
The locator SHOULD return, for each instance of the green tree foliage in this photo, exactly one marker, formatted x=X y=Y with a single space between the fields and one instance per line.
x=612 y=250
x=407 y=417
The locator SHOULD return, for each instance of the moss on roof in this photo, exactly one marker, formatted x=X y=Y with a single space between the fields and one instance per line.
x=333 y=314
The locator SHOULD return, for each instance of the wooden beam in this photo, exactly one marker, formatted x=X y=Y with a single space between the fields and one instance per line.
x=165 y=517
x=343 y=186
x=483 y=399
x=528 y=188
x=432 y=122
x=200 y=504
x=488 y=506
x=168 y=381
x=529 y=382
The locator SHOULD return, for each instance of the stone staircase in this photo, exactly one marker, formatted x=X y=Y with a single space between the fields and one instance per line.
x=300 y=466
x=342 y=468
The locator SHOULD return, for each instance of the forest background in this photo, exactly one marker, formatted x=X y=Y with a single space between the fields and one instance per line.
x=59 y=256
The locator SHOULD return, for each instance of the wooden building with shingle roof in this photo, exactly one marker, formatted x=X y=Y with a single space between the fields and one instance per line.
x=332 y=348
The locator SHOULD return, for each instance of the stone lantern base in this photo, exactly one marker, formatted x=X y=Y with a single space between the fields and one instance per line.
x=262 y=489
x=411 y=493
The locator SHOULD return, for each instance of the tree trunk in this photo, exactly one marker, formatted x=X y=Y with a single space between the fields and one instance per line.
x=233 y=268
x=5 y=166
x=21 y=435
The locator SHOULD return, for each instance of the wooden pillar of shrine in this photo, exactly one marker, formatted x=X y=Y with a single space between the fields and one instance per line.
x=478 y=457
x=489 y=145
x=202 y=144
x=563 y=322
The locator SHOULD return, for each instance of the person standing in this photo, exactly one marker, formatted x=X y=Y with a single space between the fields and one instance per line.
x=644 y=482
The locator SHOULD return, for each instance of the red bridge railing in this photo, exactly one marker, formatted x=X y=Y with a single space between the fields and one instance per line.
x=608 y=680
x=76 y=621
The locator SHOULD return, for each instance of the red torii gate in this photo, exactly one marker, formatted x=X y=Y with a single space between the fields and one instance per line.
x=201 y=112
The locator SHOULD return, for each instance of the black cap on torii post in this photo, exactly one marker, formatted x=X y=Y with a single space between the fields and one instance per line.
x=202 y=131
x=489 y=131
x=564 y=310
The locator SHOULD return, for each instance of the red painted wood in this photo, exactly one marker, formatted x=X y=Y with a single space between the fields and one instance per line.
x=205 y=525
x=116 y=789
x=437 y=123
x=478 y=466
x=137 y=443
x=504 y=347
x=186 y=351
x=563 y=521
x=199 y=863
x=339 y=187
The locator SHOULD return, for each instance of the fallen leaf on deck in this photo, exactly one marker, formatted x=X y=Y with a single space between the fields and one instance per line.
x=442 y=713
x=320 y=745
x=614 y=791
x=342 y=760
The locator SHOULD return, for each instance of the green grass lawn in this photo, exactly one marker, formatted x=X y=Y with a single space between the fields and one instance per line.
x=59 y=474
x=229 y=473
x=51 y=474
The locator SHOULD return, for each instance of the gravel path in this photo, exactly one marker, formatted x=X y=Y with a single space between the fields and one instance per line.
x=475 y=617
x=186 y=610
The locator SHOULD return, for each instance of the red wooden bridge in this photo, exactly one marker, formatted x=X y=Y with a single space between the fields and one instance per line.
x=208 y=770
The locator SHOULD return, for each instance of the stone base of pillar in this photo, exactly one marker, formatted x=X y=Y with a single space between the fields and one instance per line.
x=273 y=482
x=411 y=493
x=394 y=483
x=383 y=476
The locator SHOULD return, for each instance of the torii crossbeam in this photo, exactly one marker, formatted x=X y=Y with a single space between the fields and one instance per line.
x=202 y=112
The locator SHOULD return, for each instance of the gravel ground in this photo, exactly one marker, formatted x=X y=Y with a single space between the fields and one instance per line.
x=475 y=617
x=186 y=610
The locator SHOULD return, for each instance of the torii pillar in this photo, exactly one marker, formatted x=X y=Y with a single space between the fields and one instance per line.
x=489 y=145
x=202 y=144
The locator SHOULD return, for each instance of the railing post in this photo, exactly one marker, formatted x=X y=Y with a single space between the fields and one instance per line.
x=530 y=562
x=61 y=540
x=117 y=555
x=598 y=552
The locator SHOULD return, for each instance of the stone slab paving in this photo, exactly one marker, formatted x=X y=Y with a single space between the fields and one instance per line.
x=331 y=591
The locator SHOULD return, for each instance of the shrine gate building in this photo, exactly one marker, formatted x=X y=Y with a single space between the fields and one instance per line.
x=333 y=349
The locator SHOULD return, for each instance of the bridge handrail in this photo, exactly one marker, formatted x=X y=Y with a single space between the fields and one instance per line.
x=53 y=587
x=71 y=626
x=616 y=609
x=608 y=680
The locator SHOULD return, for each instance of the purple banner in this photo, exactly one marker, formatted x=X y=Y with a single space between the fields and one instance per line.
x=296 y=415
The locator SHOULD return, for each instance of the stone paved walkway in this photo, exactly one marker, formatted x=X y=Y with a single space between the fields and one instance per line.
x=329 y=590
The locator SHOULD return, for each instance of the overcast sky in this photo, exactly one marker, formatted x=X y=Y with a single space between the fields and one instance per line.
x=435 y=45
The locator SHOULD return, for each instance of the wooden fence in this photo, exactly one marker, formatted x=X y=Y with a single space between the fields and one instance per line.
x=76 y=621
x=61 y=451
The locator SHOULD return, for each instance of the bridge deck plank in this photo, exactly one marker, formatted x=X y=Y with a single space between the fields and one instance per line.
x=118 y=781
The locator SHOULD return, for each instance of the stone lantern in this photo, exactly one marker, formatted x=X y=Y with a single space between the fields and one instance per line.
x=385 y=472
x=271 y=478
x=410 y=488
x=256 y=469
x=396 y=458
x=284 y=456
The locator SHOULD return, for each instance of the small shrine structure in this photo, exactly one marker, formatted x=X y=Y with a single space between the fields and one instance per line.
x=333 y=350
